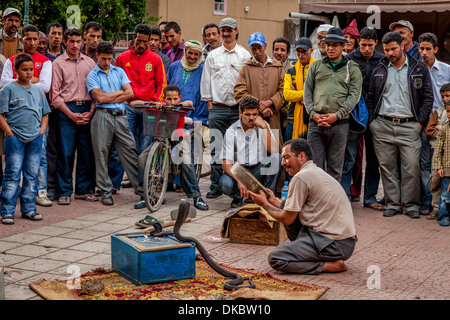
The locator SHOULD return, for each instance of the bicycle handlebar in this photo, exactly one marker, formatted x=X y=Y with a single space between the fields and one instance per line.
x=175 y=107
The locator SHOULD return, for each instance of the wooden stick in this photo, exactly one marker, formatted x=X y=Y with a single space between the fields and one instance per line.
x=165 y=225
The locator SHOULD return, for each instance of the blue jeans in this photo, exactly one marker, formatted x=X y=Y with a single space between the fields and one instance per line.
x=289 y=129
x=350 y=159
x=425 y=167
x=445 y=199
x=372 y=174
x=42 y=178
x=269 y=180
x=73 y=138
x=136 y=126
x=20 y=158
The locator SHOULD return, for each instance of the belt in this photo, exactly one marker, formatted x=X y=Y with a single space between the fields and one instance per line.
x=113 y=112
x=80 y=103
x=399 y=120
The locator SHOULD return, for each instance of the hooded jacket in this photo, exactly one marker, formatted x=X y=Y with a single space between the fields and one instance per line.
x=420 y=89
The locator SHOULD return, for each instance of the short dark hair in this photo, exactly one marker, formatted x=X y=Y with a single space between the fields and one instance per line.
x=72 y=32
x=392 y=36
x=368 y=33
x=447 y=103
x=29 y=28
x=248 y=103
x=210 y=25
x=172 y=25
x=171 y=87
x=155 y=30
x=282 y=40
x=142 y=28
x=21 y=58
x=96 y=26
x=163 y=22
x=51 y=25
x=105 y=47
x=300 y=145
x=429 y=37
x=445 y=87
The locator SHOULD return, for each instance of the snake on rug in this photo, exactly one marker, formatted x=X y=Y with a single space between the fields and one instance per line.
x=237 y=279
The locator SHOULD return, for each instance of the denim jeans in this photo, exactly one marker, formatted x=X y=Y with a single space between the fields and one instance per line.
x=425 y=167
x=445 y=199
x=350 y=159
x=269 y=179
x=42 y=178
x=74 y=139
x=20 y=158
x=219 y=119
x=372 y=173
x=136 y=126
x=289 y=129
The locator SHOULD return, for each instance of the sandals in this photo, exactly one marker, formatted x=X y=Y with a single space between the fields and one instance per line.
x=86 y=197
x=64 y=200
x=8 y=219
x=432 y=215
x=375 y=205
x=426 y=209
x=34 y=216
x=147 y=222
x=200 y=204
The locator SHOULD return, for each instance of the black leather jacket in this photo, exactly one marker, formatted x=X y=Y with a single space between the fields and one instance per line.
x=420 y=89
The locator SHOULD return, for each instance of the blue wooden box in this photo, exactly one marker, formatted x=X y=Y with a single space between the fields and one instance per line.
x=144 y=260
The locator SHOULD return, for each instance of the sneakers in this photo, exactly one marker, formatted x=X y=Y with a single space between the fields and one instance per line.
x=140 y=205
x=42 y=199
x=214 y=194
x=237 y=202
x=107 y=201
x=200 y=204
x=445 y=222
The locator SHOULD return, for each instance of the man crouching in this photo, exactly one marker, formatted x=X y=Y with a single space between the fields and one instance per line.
x=317 y=216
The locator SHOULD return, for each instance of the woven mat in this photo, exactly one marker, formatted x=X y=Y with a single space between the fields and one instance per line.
x=207 y=284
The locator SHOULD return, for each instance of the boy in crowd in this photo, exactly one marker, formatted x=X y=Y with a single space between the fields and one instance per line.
x=23 y=117
x=436 y=122
x=441 y=164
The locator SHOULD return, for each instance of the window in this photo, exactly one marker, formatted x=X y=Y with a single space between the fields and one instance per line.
x=220 y=7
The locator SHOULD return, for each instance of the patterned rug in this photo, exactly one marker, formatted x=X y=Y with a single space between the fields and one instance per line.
x=206 y=285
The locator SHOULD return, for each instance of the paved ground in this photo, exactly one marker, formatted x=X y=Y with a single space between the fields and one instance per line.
x=395 y=259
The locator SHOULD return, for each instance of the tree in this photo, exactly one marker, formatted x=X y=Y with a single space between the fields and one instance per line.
x=116 y=16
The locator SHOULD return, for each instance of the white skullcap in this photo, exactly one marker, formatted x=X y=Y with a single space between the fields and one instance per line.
x=324 y=27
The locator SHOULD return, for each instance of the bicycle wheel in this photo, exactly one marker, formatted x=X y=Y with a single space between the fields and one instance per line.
x=156 y=175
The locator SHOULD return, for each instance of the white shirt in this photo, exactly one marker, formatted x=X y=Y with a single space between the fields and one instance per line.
x=45 y=77
x=440 y=75
x=220 y=73
x=247 y=148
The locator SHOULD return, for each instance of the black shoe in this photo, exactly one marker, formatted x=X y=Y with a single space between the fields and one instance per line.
x=390 y=212
x=237 y=202
x=107 y=201
x=413 y=214
x=214 y=194
x=127 y=184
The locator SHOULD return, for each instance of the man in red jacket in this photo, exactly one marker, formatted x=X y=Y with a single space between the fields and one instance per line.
x=145 y=70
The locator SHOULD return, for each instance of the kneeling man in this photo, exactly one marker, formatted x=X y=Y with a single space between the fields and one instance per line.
x=317 y=216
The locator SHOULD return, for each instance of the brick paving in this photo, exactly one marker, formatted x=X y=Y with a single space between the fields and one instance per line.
x=395 y=258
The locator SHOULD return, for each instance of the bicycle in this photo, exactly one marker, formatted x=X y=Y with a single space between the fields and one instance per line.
x=161 y=124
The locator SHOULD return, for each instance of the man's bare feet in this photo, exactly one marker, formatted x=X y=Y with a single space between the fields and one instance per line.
x=334 y=266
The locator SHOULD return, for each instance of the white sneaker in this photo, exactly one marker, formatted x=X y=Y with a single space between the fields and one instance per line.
x=42 y=199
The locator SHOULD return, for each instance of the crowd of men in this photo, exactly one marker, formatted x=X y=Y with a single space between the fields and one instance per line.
x=251 y=100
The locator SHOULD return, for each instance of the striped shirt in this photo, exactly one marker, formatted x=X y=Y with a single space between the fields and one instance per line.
x=246 y=148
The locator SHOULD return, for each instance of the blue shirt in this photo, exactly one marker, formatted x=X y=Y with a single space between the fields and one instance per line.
x=190 y=90
x=440 y=75
x=23 y=109
x=109 y=82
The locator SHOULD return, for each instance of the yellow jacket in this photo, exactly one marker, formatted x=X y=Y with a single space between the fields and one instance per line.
x=293 y=93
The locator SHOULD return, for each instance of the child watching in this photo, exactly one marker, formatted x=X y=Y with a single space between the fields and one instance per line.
x=441 y=164
x=437 y=120
x=188 y=177
x=23 y=117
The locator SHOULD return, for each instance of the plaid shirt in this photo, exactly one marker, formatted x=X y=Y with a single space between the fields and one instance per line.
x=441 y=155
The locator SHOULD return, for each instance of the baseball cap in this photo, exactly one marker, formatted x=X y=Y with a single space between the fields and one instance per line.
x=10 y=11
x=257 y=38
x=303 y=43
x=228 y=22
x=335 y=35
x=401 y=23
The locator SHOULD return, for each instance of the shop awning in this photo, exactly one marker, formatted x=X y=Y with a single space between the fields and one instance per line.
x=352 y=6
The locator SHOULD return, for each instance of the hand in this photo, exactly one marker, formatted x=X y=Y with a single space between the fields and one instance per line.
x=77 y=118
x=440 y=173
x=330 y=118
x=34 y=80
x=260 y=123
x=267 y=113
x=260 y=199
x=43 y=131
x=243 y=190
x=272 y=199
x=10 y=134
x=159 y=105
x=264 y=105
x=320 y=120
x=209 y=104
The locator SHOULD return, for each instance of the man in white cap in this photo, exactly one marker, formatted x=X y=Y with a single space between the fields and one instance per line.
x=321 y=52
x=406 y=30
x=219 y=75
x=9 y=37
